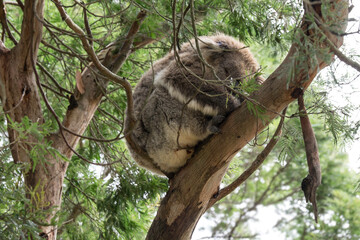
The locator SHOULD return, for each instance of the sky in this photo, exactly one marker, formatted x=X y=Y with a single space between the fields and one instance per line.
x=267 y=215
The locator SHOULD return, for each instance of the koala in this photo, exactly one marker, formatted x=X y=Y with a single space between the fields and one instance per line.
x=184 y=97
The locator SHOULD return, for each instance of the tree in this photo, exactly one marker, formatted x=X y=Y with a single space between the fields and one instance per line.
x=36 y=74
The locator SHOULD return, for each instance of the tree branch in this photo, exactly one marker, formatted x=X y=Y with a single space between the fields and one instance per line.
x=313 y=180
x=31 y=30
x=342 y=56
x=4 y=22
x=252 y=168
x=87 y=26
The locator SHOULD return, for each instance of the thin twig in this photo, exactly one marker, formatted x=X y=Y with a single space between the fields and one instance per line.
x=87 y=26
x=323 y=28
x=342 y=56
x=4 y=22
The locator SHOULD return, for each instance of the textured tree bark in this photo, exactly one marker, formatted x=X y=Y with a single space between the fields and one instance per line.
x=19 y=93
x=198 y=182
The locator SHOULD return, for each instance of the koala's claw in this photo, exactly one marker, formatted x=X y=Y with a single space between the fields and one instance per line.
x=216 y=120
x=214 y=123
x=214 y=129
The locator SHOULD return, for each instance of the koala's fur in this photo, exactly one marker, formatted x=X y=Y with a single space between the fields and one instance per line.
x=178 y=105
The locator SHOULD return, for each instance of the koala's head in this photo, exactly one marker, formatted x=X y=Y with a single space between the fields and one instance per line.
x=230 y=58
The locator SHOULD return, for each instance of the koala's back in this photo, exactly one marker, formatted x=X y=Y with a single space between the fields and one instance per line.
x=182 y=98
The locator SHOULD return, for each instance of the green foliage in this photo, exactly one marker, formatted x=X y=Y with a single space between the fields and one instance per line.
x=119 y=204
x=130 y=198
x=15 y=217
x=33 y=135
x=257 y=111
x=262 y=21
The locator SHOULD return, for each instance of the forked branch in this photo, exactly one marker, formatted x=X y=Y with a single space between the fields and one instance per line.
x=253 y=167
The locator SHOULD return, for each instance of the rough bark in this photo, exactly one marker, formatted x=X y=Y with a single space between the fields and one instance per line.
x=198 y=182
x=20 y=96
x=19 y=93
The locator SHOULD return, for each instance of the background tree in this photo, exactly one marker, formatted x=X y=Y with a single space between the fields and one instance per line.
x=50 y=109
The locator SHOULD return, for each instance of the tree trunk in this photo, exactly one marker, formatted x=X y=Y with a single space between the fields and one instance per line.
x=198 y=182
x=20 y=97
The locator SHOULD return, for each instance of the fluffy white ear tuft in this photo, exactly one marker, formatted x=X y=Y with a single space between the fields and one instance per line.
x=208 y=47
x=209 y=44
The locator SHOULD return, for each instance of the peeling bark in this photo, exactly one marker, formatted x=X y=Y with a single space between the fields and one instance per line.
x=313 y=180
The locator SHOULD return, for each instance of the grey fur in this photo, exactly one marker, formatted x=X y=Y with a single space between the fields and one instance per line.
x=178 y=105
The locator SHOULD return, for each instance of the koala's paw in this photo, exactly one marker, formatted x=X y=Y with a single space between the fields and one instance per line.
x=214 y=123
x=216 y=120
x=214 y=129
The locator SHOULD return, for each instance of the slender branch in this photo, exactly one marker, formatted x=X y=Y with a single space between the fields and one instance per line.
x=125 y=50
x=342 y=56
x=57 y=49
x=183 y=13
x=21 y=5
x=103 y=70
x=52 y=78
x=87 y=26
x=84 y=5
x=253 y=167
x=61 y=127
x=4 y=22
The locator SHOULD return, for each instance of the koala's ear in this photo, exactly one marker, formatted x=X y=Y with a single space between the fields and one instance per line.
x=208 y=44
x=209 y=47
